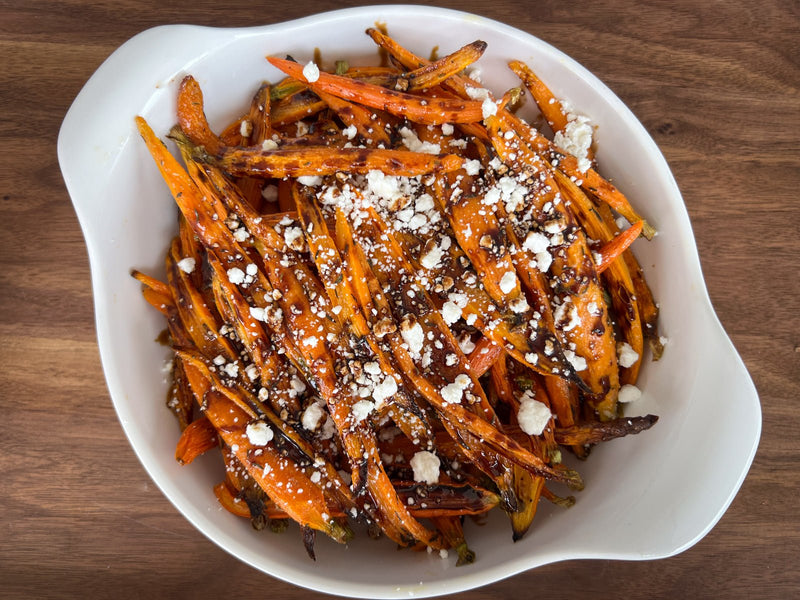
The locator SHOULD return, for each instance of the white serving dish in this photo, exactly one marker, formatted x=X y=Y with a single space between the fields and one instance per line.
x=648 y=496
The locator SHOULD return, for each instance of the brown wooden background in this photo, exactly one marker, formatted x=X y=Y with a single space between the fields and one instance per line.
x=715 y=83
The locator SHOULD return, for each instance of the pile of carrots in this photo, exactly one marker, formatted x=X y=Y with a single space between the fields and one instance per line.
x=363 y=314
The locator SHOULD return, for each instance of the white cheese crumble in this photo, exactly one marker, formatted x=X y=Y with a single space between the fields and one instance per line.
x=251 y=371
x=489 y=108
x=269 y=145
x=578 y=362
x=451 y=393
x=477 y=93
x=472 y=167
x=311 y=72
x=186 y=265
x=414 y=337
x=361 y=410
x=576 y=139
x=245 y=128
x=536 y=242
x=235 y=275
x=385 y=389
x=259 y=433
x=350 y=132
x=426 y=467
x=311 y=416
x=627 y=355
x=310 y=180
x=543 y=261
x=508 y=282
x=431 y=259
x=533 y=415
x=413 y=143
x=629 y=393
x=451 y=312
x=519 y=305
x=291 y=235
x=447 y=129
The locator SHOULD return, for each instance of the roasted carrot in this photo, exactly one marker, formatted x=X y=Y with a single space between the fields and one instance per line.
x=420 y=110
x=198 y=438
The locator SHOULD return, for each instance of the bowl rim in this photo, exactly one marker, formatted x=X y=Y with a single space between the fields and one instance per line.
x=76 y=186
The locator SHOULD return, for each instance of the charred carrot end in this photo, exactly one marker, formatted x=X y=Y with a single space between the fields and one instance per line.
x=230 y=502
x=428 y=111
x=548 y=104
x=199 y=437
x=618 y=245
x=603 y=431
x=191 y=115
x=435 y=73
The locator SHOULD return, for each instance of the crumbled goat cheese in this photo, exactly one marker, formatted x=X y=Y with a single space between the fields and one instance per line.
x=566 y=316
x=231 y=369
x=311 y=72
x=269 y=145
x=252 y=372
x=629 y=393
x=298 y=387
x=508 y=282
x=259 y=314
x=578 y=362
x=413 y=143
x=519 y=305
x=451 y=312
x=413 y=336
x=292 y=236
x=543 y=261
x=447 y=129
x=310 y=180
x=186 y=265
x=426 y=467
x=372 y=368
x=536 y=242
x=245 y=128
x=311 y=416
x=386 y=389
x=576 y=139
x=477 y=93
x=259 y=433
x=451 y=393
x=361 y=410
x=431 y=259
x=627 y=355
x=472 y=167
x=533 y=415
x=489 y=108
x=235 y=275
x=350 y=132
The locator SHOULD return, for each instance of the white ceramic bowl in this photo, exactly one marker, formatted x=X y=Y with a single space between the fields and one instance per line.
x=647 y=496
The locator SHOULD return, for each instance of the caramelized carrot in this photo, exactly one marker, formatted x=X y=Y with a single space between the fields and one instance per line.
x=434 y=111
x=198 y=438
x=614 y=248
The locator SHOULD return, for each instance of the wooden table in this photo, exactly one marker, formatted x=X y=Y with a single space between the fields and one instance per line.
x=715 y=83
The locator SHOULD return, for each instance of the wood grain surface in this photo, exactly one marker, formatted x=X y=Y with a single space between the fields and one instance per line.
x=716 y=85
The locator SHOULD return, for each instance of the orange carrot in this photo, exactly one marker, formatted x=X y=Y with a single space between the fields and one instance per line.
x=428 y=111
